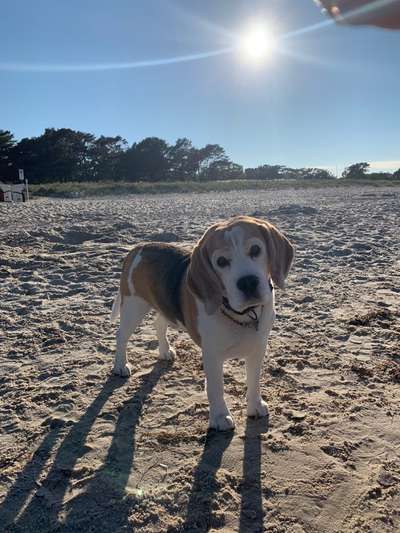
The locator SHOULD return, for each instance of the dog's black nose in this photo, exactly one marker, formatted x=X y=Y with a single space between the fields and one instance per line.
x=248 y=285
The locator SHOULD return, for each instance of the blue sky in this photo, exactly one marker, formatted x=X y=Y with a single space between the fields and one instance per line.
x=324 y=98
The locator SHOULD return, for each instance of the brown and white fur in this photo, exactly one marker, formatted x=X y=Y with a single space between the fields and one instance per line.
x=207 y=292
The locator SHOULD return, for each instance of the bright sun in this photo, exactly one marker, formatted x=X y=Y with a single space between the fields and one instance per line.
x=257 y=43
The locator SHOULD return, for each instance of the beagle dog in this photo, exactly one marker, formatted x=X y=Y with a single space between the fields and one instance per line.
x=221 y=293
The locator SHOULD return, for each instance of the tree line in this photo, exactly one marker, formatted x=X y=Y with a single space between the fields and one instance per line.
x=61 y=155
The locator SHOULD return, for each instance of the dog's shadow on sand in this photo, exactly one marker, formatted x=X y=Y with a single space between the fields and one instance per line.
x=30 y=506
x=100 y=500
x=251 y=509
x=200 y=516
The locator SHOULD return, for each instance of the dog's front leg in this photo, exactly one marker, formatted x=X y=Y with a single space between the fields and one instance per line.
x=220 y=416
x=255 y=404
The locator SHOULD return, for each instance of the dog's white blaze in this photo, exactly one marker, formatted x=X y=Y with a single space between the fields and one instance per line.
x=242 y=265
x=116 y=308
x=135 y=263
x=235 y=237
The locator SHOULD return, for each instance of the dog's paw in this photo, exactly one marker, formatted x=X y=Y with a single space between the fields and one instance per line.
x=257 y=409
x=222 y=422
x=168 y=355
x=122 y=370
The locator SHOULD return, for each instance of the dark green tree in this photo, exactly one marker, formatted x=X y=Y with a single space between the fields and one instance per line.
x=355 y=171
x=265 y=172
x=314 y=174
x=214 y=164
x=184 y=160
x=56 y=155
x=7 y=143
x=146 y=160
x=105 y=155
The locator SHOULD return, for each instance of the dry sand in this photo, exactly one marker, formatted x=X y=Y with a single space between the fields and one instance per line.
x=83 y=451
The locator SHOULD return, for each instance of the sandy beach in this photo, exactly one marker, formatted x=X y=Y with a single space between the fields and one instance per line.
x=83 y=451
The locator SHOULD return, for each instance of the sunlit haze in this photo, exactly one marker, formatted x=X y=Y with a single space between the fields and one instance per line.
x=257 y=43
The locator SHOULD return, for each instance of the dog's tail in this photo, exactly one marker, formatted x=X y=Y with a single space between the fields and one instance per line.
x=116 y=308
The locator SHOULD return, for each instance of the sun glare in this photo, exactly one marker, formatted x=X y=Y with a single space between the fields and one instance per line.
x=257 y=44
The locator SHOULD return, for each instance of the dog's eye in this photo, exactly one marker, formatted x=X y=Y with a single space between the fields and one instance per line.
x=222 y=262
x=255 y=251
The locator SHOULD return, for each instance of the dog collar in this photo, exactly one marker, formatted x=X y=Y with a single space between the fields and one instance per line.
x=227 y=310
x=250 y=312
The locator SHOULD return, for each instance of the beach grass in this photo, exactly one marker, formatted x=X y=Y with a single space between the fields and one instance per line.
x=74 y=189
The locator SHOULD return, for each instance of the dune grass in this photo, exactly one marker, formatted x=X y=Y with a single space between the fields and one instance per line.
x=106 y=188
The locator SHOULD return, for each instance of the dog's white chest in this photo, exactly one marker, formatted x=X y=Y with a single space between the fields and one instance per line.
x=231 y=340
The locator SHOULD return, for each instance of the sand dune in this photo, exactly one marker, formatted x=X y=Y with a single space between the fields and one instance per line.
x=81 y=450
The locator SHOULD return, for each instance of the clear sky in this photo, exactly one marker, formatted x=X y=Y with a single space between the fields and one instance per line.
x=323 y=98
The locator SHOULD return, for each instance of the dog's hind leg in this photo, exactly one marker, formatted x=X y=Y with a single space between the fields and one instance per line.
x=132 y=312
x=165 y=350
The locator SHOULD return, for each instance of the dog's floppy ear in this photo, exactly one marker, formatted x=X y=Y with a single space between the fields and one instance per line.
x=202 y=279
x=280 y=252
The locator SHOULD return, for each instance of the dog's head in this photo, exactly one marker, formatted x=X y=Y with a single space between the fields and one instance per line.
x=235 y=260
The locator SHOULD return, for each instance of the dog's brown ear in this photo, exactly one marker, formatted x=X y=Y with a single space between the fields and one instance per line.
x=202 y=279
x=280 y=253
